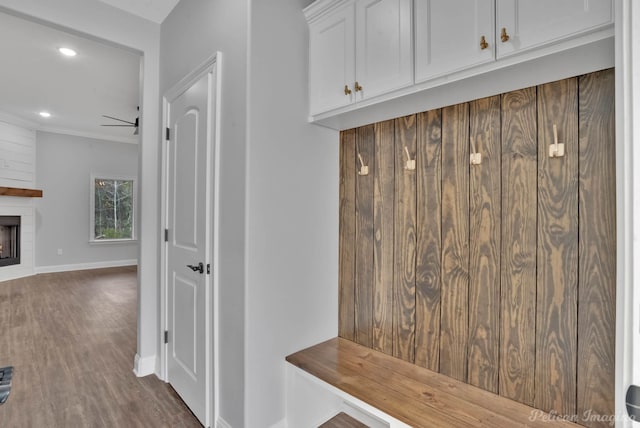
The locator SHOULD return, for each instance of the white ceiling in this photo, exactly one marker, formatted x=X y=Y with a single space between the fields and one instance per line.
x=101 y=80
x=152 y=10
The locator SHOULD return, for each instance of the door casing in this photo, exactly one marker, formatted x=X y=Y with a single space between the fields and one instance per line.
x=211 y=65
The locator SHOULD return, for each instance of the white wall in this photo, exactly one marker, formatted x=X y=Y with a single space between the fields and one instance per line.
x=64 y=167
x=97 y=19
x=292 y=210
x=632 y=315
x=193 y=32
x=292 y=195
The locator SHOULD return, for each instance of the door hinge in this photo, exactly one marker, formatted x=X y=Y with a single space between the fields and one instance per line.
x=168 y=135
x=166 y=336
x=166 y=235
x=208 y=268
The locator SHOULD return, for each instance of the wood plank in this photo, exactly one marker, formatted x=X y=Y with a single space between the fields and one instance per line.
x=330 y=369
x=365 y=147
x=347 y=238
x=25 y=193
x=455 y=241
x=18 y=161
x=519 y=245
x=412 y=394
x=19 y=148
x=428 y=250
x=383 y=200
x=342 y=420
x=484 y=245
x=347 y=235
x=556 y=326
x=408 y=387
x=597 y=249
x=404 y=277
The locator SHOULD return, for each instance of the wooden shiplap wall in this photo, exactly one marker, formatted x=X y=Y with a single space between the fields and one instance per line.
x=502 y=274
x=596 y=244
x=519 y=172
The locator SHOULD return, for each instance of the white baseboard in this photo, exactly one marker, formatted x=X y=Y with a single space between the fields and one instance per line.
x=144 y=366
x=15 y=272
x=221 y=423
x=85 y=266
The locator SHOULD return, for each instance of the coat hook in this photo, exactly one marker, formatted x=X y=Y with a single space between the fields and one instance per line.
x=475 y=158
x=556 y=150
x=364 y=169
x=411 y=163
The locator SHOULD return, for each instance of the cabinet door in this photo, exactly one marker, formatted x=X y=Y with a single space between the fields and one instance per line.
x=384 y=54
x=331 y=60
x=449 y=35
x=532 y=23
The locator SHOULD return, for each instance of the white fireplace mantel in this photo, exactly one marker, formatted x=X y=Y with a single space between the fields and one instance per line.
x=23 y=208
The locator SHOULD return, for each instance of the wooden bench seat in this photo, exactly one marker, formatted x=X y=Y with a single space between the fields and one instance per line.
x=411 y=394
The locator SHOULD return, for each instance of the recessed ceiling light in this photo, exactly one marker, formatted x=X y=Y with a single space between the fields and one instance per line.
x=67 y=51
x=45 y=114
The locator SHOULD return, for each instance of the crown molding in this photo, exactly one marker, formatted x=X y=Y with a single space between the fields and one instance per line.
x=35 y=126
x=18 y=121
x=92 y=135
x=320 y=8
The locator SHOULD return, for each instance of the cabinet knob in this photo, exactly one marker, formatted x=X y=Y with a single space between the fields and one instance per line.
x=483 y=43
x=347 y=91
x=504 y=36
x=357 y=87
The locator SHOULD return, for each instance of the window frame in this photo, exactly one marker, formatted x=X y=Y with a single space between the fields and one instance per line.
x=92 y=208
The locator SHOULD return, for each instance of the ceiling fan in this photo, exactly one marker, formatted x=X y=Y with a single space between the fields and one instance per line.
x=129 y=124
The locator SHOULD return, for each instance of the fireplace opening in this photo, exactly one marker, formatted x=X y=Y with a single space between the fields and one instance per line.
x=9 y=240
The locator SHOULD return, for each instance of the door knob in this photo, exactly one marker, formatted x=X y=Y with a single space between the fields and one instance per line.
x=199 y=268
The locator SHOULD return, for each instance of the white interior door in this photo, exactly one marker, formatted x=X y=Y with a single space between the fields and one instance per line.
x=189 y=195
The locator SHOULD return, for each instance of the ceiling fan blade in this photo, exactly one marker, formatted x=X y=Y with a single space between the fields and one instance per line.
x=119 y=120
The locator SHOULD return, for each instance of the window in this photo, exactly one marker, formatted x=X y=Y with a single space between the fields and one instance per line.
x=112 y=209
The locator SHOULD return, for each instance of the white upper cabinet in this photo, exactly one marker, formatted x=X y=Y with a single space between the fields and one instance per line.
x=332 y=60
x=532 y=23
x=384 y=53
x=452 y=35
x=364 y=53
x=358 y=49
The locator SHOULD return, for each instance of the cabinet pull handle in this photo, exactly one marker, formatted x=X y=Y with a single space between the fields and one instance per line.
x=483 y=43
x=504 y=36
x=358 y=87
x=347 y=91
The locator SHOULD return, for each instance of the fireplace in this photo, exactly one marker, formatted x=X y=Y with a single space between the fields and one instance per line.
x=9 y=240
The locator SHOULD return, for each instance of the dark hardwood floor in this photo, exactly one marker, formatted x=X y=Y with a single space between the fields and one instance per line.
x=72 y=339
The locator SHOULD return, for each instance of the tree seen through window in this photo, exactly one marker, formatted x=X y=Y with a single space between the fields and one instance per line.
x=113 y=207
